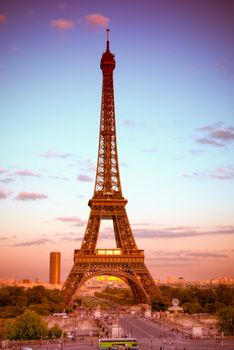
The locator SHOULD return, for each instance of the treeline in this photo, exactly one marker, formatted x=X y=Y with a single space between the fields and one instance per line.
x=195 y=299
x=218 y=301
x=117 y=295
x=28 y=326
x=15 y=300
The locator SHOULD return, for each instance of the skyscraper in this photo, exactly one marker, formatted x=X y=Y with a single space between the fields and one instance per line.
x=55 y=262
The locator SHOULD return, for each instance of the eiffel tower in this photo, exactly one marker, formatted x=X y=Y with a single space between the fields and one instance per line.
x=108 y=203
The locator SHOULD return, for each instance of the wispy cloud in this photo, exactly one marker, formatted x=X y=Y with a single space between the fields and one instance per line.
x=84 y=178
x=87 y=165
x=71 y=219
x=26 y=173
x=70 y=236
x=3 y=171
x=97 y=20
x=3 y=18
x=7 y=180
x=197 y=152
x=30 y=196
x=221 y=173
x=55 y=154
x=168 y=257
x=35 y=242
x=215 y=135
x=208 y=141
x=3 y=194
x=181 y=232
x=150 y=150
x=130 y=123
x=63 y=24
x=56 y=177
x=225 y=66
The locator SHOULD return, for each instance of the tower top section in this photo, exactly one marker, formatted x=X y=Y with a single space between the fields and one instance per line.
x=108 y=59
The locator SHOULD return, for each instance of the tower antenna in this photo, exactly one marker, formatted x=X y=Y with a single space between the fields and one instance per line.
x=108 y=39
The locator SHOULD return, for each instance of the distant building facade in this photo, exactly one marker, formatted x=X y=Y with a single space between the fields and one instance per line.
x=55 y=264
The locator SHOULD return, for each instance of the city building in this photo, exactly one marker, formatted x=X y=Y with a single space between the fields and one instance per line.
x=55 y=262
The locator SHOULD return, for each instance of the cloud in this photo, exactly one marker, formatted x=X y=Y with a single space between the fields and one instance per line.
x=97 y=20
x=196 y=152
x=63 y=24
x=208 y=141
x=221 y=64
x=7 y=180
x=3 y=194
x=70 y=219
x=84 y=178
x=166 y=257
x=215 y=135
x=35 y=242
x=130 y=123
x=55 y=154
x=3 y=18
x=3 y=171
x=55 y=177
x=87 y=165
x=70 y=236
x=30 y=196
x=221 y=173
x=133 y=123
x=26 y=173
x=149 y=150
x=224 y=135
x=225 y=66
x=180 y=231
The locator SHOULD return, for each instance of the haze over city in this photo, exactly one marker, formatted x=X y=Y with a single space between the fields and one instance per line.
x=174 y=88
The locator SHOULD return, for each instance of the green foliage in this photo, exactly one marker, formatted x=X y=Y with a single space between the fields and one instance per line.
x=226 y=320
x=55 y=332
x=11 y=311
x=117 y=295
x=12 y=296
x=15 y=300
x=7 y=329
x=161 y=304
x=27 y=326
x=196 y=299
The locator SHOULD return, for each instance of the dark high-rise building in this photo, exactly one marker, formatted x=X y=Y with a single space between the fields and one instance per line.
x=55 y=262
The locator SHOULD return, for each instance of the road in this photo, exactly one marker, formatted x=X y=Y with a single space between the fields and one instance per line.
x=153 y=337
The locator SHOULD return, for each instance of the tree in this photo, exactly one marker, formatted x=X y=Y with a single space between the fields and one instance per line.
x=27 y=326
x=7 y=329
x=161 y=303
x=36 y=295
x=55 y=332
x=226 y=320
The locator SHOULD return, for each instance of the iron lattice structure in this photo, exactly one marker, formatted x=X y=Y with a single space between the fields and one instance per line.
x=108 y=203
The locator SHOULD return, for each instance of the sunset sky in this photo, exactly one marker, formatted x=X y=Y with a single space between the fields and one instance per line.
x=174 y=101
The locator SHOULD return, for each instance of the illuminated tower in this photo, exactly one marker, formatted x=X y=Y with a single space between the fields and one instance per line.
x=108 y=203
x=55 y=263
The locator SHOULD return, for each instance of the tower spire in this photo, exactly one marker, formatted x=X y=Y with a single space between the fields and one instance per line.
x=108 y=40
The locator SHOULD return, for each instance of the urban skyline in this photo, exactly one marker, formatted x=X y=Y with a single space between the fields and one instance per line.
x=174 y=108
